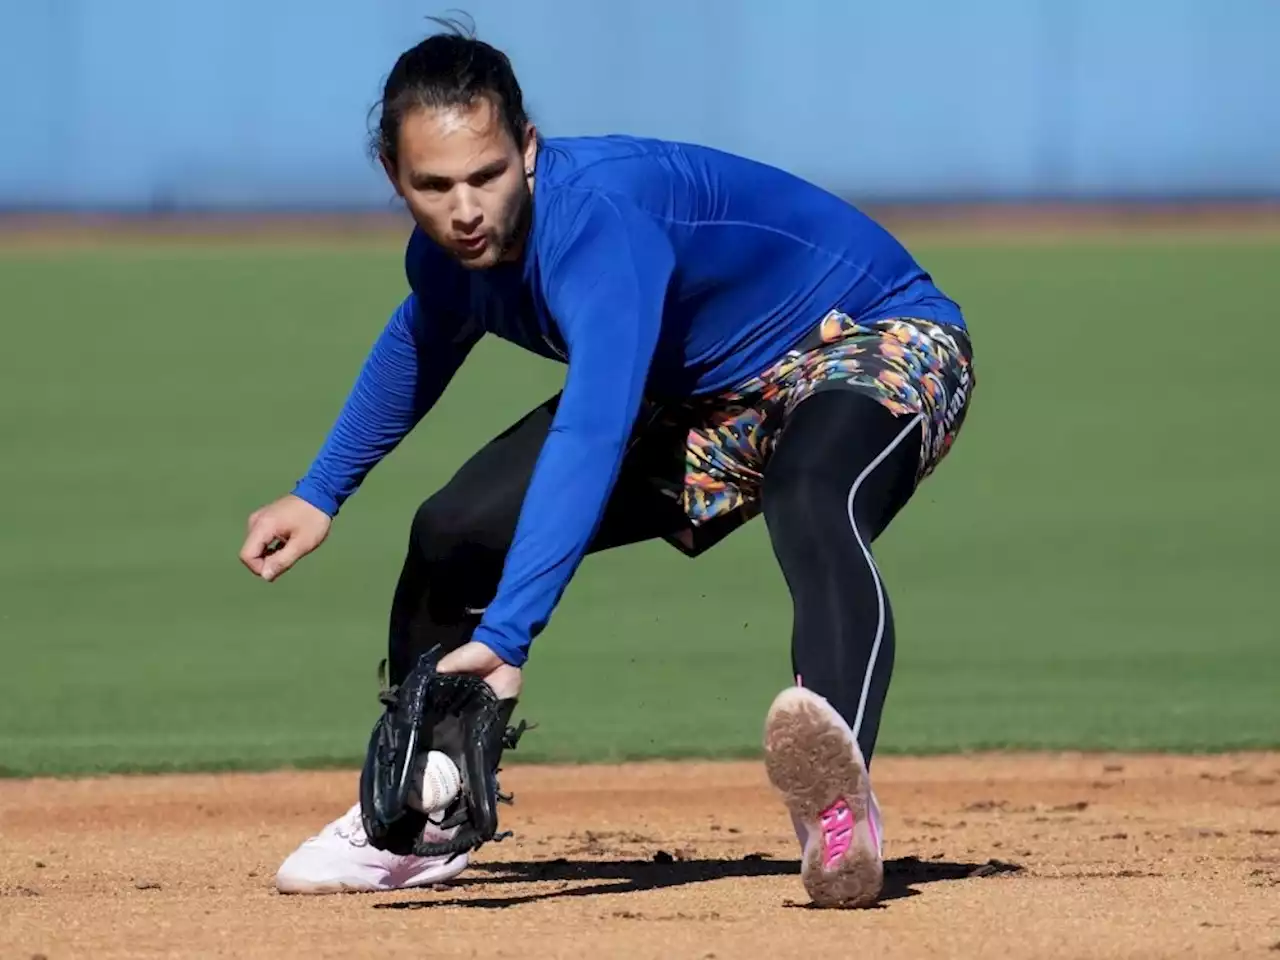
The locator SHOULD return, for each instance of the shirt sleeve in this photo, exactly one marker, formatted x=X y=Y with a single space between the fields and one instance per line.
x=605 y=287
x=405 y=373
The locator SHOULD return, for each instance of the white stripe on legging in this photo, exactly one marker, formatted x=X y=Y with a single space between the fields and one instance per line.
x=875 y=574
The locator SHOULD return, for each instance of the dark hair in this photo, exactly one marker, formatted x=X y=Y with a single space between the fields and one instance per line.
x=451 y=69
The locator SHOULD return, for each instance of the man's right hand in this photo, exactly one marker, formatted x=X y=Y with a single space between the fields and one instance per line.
x=290 y=524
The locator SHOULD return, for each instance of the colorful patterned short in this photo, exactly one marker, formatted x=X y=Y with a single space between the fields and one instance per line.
x=910 y=366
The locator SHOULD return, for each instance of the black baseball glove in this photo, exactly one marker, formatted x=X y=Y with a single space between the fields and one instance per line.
x=457 y=714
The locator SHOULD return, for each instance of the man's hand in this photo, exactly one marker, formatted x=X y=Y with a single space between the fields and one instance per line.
x=281 y=534
x=504 y=679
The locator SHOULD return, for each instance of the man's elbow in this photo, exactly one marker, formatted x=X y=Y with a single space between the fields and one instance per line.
x=600 y=435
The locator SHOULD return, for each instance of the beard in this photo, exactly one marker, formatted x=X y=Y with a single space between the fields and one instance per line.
x=507 y=238
x=516 y=218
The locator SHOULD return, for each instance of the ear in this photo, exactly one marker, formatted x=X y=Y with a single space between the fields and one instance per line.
x=389 y=169
x=530 y=148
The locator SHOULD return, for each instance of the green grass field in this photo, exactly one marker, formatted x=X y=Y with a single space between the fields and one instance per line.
x=1093 y=566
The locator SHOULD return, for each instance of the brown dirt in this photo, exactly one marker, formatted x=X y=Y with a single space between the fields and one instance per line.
x=969 y=222
x=1115 y=856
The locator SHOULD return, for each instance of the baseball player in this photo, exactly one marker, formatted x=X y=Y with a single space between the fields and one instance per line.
x=737 y=341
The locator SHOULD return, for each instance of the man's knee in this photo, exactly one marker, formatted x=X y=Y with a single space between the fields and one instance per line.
x=443 y=535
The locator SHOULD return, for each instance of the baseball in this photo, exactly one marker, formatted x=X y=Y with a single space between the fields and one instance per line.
x=436 y=782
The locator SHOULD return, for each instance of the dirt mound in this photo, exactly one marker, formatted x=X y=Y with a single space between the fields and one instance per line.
x=1044 y=856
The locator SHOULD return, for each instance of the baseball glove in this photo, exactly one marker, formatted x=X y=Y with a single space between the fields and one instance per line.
x=457 y=714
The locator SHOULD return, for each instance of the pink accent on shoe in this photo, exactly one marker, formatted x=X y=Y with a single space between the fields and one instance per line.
x=837 y=832
x=813 y=760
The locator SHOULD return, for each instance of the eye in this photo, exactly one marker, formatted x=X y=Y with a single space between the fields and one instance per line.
x=487 y=175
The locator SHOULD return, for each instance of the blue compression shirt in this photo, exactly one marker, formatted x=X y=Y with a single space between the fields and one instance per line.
x=652 y=268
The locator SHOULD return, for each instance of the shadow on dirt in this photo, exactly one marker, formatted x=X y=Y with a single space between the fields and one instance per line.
x=589 y=878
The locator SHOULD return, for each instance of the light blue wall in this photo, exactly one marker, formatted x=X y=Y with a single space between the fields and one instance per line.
x=176 y=103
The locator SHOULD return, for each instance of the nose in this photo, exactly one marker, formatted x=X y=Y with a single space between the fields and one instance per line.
x=467 y=213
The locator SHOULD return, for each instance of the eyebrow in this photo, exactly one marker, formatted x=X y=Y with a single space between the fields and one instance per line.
x=420 y=180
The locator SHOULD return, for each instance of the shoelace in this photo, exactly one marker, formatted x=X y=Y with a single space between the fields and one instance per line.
x=351 y=829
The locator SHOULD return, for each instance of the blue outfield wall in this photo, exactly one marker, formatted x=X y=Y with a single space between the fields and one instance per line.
x=174 y=104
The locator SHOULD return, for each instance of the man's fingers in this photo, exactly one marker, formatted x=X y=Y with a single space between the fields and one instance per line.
x=476 y=658
x=281 y=534
x=257 y=546
x=280 y=560
x=471 y=657
x=251 y=555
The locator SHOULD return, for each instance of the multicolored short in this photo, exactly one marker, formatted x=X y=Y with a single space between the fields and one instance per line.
x=911 y=366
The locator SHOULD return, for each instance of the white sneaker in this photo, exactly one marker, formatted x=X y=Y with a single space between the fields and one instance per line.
x=339 y=859
x=813 y=760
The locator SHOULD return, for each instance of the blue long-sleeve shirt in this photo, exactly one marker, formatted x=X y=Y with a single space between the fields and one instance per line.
x=651 y=268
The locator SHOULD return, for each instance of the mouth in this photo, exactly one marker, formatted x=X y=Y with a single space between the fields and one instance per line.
x=472 y=244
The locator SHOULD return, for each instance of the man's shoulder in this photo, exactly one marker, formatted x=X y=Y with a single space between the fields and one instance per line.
x=614 y=159
x=584 y=176
x=582 y=151
x=671 y=177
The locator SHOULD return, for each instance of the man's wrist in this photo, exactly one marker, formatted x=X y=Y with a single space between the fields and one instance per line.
x=510 y=653
x=315 y=494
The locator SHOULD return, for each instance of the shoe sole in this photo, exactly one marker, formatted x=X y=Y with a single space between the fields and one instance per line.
x=429 y=877
x=307 y=888
x=809 y=761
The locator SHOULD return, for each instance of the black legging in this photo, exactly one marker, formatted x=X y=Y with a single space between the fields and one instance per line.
x=842 y=468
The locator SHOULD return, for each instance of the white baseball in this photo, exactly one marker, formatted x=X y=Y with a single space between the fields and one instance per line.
x=436 y=782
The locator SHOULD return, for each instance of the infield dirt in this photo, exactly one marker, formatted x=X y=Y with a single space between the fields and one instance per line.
x=1029 y=856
